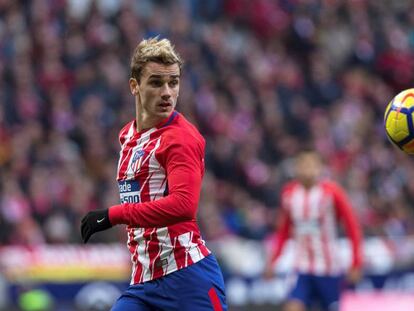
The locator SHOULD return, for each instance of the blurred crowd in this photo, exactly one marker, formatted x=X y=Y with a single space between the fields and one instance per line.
x=262 y=80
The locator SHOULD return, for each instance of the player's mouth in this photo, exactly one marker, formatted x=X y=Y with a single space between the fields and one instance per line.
x=164 y=106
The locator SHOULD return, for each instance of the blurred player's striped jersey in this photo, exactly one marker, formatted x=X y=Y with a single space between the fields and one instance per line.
x=310 y=217
x=146 y=158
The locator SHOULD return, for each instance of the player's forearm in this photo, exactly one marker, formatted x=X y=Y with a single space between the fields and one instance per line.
x=354 y=234
x=355 y=237
x=351 y=224
x=282 y=236
x=174 y=208
x=281 y=240
x=276 y=252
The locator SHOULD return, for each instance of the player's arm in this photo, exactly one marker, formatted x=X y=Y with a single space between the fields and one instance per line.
x=282 y=236
x=284 y=224
x=184 y=167
x=352 y=228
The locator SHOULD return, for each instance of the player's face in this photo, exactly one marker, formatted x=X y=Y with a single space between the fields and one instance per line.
x=157 y=90
x=308 y=168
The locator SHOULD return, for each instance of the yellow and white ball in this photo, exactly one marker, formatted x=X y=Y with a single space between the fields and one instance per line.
x=398 y=120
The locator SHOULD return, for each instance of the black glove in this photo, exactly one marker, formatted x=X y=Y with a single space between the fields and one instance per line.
x=94 y=222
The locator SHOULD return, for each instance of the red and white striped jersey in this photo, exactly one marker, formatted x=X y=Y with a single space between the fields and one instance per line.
x=310 y=217
x=159 y=175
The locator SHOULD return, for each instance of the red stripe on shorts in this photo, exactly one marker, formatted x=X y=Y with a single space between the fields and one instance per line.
x=215 y=300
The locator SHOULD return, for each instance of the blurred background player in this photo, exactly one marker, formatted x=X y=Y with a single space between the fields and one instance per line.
x=160 y=171
x=311 y=209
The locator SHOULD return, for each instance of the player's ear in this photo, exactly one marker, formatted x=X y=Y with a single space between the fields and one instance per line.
x=134 y=86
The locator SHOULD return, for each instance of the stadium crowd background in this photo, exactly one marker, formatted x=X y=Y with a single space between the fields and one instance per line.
x=262 y=80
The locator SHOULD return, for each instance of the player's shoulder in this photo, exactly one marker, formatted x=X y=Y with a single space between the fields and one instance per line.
x=184 y=125
x=331 y=185
x=289 y=187
x=183 y=132
x=127 y=130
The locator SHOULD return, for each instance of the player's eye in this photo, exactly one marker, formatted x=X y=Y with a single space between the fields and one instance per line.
x=155 y=83
x=173 y=83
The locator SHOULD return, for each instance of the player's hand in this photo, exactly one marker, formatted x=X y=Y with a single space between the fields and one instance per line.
x=354 y=275
x=268 y=272
x=93 y=222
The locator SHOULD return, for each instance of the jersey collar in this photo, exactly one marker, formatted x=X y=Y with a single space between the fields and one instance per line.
x=165 y=122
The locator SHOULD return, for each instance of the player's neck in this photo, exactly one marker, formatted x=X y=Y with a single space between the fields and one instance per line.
x=308 y=184
x=145 y=122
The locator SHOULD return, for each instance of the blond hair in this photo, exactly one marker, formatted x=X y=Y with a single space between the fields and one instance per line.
x=153 y=50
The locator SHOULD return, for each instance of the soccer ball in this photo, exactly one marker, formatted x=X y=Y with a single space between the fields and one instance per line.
x=398 y=121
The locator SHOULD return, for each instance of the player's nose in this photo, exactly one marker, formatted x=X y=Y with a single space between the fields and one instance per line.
x=165 y=92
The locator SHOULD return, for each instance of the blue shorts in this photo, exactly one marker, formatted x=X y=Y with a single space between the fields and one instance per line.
x=199 y=287
x=324 y=290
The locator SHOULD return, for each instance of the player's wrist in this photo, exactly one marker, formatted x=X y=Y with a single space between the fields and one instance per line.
x=116 y=215
x=356 y=263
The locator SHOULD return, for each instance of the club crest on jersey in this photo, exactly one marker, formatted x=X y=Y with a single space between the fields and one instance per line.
x=136 y=159
x=138 y=154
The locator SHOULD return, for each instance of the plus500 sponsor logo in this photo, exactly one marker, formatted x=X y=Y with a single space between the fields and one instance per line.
x=129 y=191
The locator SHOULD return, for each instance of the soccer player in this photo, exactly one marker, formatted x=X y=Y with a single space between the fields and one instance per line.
x=160 y=169
x=311 y=209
